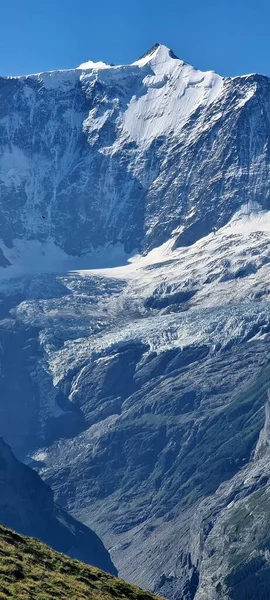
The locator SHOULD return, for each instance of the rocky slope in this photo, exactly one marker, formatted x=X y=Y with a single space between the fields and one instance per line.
x=30 y=569
x=27 y=505
x=141 y=382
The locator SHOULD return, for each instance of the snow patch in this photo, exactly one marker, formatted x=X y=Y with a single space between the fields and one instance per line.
x=90 y=64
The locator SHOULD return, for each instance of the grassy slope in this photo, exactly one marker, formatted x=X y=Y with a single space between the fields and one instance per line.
x=31 y=570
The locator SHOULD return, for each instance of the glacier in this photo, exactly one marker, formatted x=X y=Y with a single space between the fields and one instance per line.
x=134 y=311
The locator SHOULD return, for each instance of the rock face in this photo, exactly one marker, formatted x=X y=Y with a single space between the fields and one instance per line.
x=141 y=384
x=235 y=557
x=27 y=505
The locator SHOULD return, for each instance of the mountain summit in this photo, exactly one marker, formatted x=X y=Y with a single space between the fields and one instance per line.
x=157 y=52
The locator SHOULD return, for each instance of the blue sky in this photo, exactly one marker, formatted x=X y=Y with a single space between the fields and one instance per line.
x=229 y=36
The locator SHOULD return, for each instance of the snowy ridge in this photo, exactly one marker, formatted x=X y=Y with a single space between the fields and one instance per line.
x=171 y=91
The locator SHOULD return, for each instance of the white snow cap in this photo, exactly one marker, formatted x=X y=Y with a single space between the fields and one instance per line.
x=166 y=92
x=173 y=90
x=90 y=64
x=158 y=53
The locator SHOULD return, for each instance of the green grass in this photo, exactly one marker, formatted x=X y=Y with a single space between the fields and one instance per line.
x=29 y=570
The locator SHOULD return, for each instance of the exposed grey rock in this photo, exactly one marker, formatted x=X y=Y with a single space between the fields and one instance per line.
x=264 y=439
x=235 y=554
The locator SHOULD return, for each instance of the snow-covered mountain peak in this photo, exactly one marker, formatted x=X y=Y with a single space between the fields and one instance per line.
x=172 y=91
x=158 y=53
